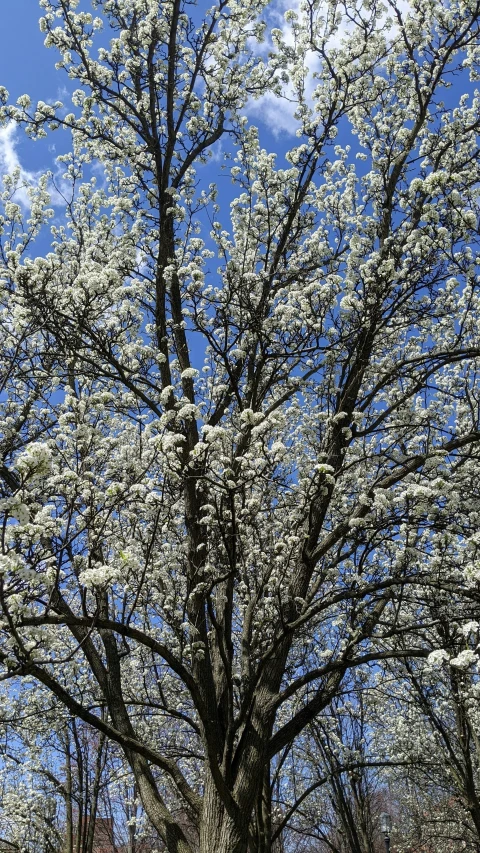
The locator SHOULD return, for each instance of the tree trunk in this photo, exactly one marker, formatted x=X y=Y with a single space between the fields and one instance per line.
x=68 y=798
x=212 y=817
x=92 y=817
x=171 y=834
x=234 y=835
x=263 y=815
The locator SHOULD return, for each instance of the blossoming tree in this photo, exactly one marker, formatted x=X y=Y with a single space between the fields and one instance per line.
x=430 y=725
x=225 y=433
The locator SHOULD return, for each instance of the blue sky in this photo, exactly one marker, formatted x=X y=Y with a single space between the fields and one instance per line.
x=24 y=62
x=27 y=67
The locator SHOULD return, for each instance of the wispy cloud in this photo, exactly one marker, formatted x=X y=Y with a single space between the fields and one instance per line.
x=277 y=111
x=10 y=162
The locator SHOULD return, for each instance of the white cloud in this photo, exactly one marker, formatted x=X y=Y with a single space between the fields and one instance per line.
x=277 y=112
x=10 y=161
x=216 y=152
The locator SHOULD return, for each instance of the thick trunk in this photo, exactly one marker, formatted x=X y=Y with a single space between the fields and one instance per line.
x=212 y=818
x=220 y=831
x=234 y=835
x=474 y=810
x=224 y=830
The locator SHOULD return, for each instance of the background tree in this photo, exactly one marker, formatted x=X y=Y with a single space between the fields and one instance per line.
x=222 y=444
x=428 y=720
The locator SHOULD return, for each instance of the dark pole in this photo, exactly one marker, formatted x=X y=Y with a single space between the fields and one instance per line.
x=385 y=826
